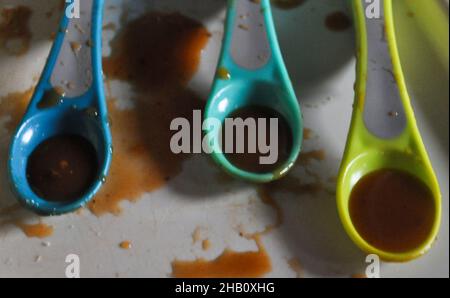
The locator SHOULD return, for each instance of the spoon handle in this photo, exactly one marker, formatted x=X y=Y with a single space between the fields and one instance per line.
x=384 y=100
x=250 y=44
x=383 y=117
x=73 y=68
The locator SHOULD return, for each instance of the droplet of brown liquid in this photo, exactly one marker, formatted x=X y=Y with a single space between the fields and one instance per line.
x=230 y=263
x=76 y=47
x=308 y=156
x=392 y=210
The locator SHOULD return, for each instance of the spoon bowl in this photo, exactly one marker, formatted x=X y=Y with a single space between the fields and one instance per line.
x=65 y=120
x=369 y=162
x=251 y=73
x=241 y=94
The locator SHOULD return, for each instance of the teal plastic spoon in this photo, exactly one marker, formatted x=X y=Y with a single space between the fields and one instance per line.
x=252 y=72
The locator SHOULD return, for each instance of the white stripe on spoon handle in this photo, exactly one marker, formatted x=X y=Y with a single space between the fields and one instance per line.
x=250 y=48
x=384 y=114
x=73 y=69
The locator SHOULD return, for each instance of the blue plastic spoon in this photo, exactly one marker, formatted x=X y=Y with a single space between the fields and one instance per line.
x=69 y=99
x=252 y=72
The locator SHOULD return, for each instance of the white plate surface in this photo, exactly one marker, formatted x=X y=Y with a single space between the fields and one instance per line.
x=160 y=225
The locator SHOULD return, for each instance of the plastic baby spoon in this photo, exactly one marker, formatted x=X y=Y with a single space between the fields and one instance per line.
x=69 y=99
x=251 y=72
x=384 y=133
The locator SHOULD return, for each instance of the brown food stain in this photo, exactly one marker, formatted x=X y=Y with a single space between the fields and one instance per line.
x=229 y=264
x=109 y=26
x=294 y=185
x=206 y=244
x=142 y=160
x=157 y=54
x=307 y=134
x=39 y=230
x=358 y=275
x=76 y=47
x=13 y=106
x=296 y=266
x=197 y=235
x=126 y=245
x=266 y=194
x=338 y=21
x=15 y=34
x=254 y=264
x=308 y=156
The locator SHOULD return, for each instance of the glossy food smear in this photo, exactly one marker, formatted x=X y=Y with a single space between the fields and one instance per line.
x=392 y=210
x=157 y=54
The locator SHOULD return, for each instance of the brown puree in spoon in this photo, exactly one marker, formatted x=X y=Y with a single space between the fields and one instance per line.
x=251 y=162
x=392 y=210
x=62 y=168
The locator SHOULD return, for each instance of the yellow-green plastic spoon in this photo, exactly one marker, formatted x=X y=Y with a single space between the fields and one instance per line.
x=384 y=133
